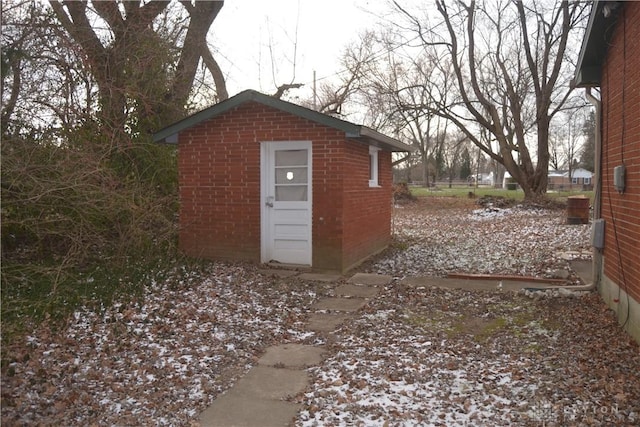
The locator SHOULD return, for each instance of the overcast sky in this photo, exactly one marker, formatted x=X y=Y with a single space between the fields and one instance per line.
x=247 y=34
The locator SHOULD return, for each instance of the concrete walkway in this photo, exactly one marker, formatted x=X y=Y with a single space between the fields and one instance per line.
x=581 y=268
x=259 y=399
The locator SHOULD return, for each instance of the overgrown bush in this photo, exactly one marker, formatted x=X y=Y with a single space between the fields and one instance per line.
x=402 y=193
x=81 y=221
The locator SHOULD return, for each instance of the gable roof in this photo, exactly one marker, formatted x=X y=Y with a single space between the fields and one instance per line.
x=581 y=173
x=575 y=173
x=595 y=42
x=169 y=134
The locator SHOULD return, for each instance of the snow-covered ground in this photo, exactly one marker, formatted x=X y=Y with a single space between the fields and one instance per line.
x=410 y=357
x=157 y=361
x=466 y=239
x=434 y=357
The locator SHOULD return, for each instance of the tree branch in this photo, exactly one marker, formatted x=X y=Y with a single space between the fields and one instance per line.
x=108 y=10
x=216 y=73
x=202 y=16
x=282 y=89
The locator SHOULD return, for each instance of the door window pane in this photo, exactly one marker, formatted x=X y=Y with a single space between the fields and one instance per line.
x=291 y=193
x=291 y=158
x=291 y=175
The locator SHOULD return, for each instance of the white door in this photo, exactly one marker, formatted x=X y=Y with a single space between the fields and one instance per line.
x=286 y=202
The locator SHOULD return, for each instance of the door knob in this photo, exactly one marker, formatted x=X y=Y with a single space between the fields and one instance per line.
x=269 y=201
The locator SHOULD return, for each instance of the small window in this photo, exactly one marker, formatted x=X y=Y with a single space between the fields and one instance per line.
x=574 y=180
x=291 y=175
x=587 y=181
x=373 y=166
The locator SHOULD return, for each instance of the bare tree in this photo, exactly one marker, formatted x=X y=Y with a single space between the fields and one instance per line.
x=509 y=61
x=555 y=155
x=399 y=96
x=573 y=141
x=358 y=62
x=452 y=147
x=282 y=89
x=393 y=94
x=565 y=140
x=47 y=92
x=134 y=66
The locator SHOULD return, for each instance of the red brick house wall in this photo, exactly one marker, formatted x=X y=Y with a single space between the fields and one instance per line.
x=219 y=173
x=620 y=86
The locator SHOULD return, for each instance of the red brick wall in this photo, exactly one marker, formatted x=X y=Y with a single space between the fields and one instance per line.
x=328 y=184
x=621 y=145
x=367 y=210
x=219 y=175
x=219 y=172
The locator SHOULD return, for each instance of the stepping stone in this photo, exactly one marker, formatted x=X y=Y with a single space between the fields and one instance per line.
x=339 y=304
x=370 y=279
x=292 y=356
x=278 y=273
x=324 y=322
x=229 y=410
x=264 y=382
x=361 y=291
x=320 y=277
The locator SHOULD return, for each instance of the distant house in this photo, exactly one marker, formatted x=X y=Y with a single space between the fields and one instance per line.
x=558 y=179
x=484 y=179
x=582 y=177
x=610 y=59
x=265 y=180
x=506 y=180
x=578 y=179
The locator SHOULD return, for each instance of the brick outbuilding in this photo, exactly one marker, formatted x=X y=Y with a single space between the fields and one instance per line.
x=266 y=180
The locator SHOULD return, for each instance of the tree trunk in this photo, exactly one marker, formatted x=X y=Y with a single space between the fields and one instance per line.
x=130 y=72
x=202 y=16
x=425 y=169
x=496 y=84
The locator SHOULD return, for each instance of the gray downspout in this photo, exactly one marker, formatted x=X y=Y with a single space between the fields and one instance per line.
x=597 y=187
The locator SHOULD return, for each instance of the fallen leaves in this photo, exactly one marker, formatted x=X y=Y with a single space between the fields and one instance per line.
x=157 y=361
x=431 y=373
x=515 y=240
x=492 y=358
x=410 y=357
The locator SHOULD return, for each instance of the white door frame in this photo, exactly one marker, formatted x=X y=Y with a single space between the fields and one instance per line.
x=267 y=196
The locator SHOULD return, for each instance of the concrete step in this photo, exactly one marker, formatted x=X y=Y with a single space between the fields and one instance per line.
x=339 y=304
x=361 y=291
x=232 y=410
x=370 y=279
x=292 y=356
x=326 y=322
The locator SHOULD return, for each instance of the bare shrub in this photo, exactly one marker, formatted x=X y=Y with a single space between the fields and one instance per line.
x=402 y=193
x=80 y=222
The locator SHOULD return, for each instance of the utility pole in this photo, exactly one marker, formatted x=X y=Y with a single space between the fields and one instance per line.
x=315 y=94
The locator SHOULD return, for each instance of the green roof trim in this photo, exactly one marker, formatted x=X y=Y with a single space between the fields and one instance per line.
x=169 y=135
x=596 y=40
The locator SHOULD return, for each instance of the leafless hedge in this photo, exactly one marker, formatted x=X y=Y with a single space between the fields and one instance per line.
x=79 y=221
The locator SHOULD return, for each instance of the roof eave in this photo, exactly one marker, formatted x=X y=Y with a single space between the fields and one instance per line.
x=246 y=96
x=169 y=135
x=173 y=130
x=595 y=43
x=382 y=141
